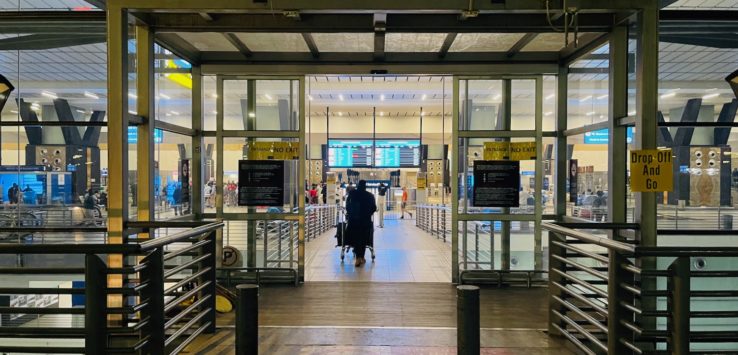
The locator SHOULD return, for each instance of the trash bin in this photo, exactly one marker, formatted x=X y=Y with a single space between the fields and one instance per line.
x=726 y=222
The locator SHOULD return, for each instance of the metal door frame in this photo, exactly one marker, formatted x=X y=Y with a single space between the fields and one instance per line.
x=458 y=134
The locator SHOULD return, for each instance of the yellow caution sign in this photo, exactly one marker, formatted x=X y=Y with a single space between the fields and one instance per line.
x=273 y=150
x=510 y=151
x=422 y=183
x=651 y=170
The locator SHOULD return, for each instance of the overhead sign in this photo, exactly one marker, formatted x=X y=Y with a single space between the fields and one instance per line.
x=496 y=183
x=260 y=183
x=651 y=170
x=273 y=150
x=133 y=135
x=510 y=151
x=602 y=136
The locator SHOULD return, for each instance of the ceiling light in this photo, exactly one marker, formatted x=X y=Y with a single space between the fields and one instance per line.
x=215 y=96
x=585 y=98
x=381 y=97
x=174 y=112
x=49 y=94
x=424 y=97
x=381 y=113
x=310 y=97
x=269 y=97
x=165 y=96
x=252 y=115
x=91 y=95
x=132 y=95
x=592 y=113
x=631 y=113
x=713 y=89
x=215 y=112
x=168 y=114
x=340 y=97
x=668 y=95
x=549 y=97
x=602 y=97
x=133 y=112
x=340 y=113
x=476 y=109
x=710 y=96
x=549 y=113
x=13 y=111
x=80 y=111
x=497 y=97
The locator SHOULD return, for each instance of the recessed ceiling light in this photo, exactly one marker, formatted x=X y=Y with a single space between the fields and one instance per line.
x=424 y=97
x=80 y=111
x=549 y=97
x=340 y=113
x=269 y=97
x=310 y=97
x=165 y=96
x=381 y=113
x=340 y=97
x=215 y=112
x=91 y=95
x=549 y=113
x=132 y=95
x=710 y=96
x=585 y=98
x=381 y=97
x=49 y=94
x=252 y=115
x=497 y=97
x=215 y=96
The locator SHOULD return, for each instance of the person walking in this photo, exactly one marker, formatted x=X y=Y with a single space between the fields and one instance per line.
x=360 y=206
x=13 y=193
x=403 y=205
x=382 y=192
x=89 y=208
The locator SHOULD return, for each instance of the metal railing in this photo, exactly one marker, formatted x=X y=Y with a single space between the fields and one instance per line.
x=610 y=295
x=434 y=220
x=157 y=303
x=318 y=220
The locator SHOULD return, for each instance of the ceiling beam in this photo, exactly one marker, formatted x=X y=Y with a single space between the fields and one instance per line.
x=311 y=44
x=238 y=43
x=703 y=40
x=48 y=41
x=53 y=22
x=380 y=27
x=447 y=44
x=520 y=44
x=100 y=4
x=177 y=45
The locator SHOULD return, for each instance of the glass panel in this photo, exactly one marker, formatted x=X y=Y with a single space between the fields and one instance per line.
x=485 y=42
x=481 y=105
x=589 y=154
x=344 y=42
x=276 y=108
x=173 y=92
x=209 y=103
x=414 y=42
x=172 y=183
x=588 y=89
x=480 y=245
x=523 y=105
x=210 y=156
x=550 y=88
x=274 y=42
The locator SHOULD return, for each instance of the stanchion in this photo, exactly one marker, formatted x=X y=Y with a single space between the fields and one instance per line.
x=247 y=320
x=467 y=320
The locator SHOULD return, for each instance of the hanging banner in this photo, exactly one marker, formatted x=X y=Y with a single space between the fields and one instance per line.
x=273 y=150
x=260 y=183
x=496 y=183
x=510 y=151
x=651 y=170
x=573 y=183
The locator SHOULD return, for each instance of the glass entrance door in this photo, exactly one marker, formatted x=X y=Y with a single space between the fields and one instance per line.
x=498 y=189
x=260 y=120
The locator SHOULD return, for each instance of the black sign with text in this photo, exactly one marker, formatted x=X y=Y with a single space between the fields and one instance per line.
x=496 y=183
x=260 y=183
x=573 y=186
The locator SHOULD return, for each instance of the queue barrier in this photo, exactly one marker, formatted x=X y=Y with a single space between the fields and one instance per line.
x=318 y=220
x=434 y=220
x=610 y=295
x=157 y=303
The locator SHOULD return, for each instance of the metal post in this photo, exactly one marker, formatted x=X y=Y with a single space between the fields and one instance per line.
x=96 y=337
x=250 y=126
x=476 y=244
x=454 y=180
x=247 y=320
x=615 y=295
x=197 y=162
x=209 y=263
x=506 y=224
x=561 y=161
x=554 y=281
x=153 y=274
x=145 y=108
x=679 y=306
x=467 y=320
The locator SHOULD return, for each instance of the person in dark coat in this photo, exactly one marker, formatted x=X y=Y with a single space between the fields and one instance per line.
x=360 y=206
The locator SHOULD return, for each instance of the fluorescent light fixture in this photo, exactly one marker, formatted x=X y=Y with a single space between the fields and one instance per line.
x=340 y=97
x=252 y=115
x=631 y=113
x=710 y=96
x=91 y=95
x=132 y=95
x=497 y=97
x=381 y=113
x=340 y=113
x=174 y=112
x=165 y=96
x=591 y=113
x=131 y=112
x=585 y=98
x=215 y=96
x=49 y=94
x=713 y=89
x=602 y=97
x=549 y=97
x=476 y=109
x=549 y=113
x=80 y=111
x=668 y=95
x=215 y=112
x=423 y=97
x=381 y=97
x=168 y=114
x=269 y=97
x=310 y=97
x=13 y=111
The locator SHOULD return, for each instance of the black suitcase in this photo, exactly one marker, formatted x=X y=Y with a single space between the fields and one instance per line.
x=340 y=233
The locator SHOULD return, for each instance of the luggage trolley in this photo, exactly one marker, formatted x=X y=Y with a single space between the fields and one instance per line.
x=341 y=234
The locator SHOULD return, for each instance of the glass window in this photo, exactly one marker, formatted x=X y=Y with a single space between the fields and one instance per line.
x=588 y=89
x=275 y=109
x=172 y=171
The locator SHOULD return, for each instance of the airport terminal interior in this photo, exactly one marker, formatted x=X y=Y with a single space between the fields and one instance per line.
x=549 y=176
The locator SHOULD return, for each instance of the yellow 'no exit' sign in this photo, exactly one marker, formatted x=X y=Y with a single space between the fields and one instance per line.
x=651 y=170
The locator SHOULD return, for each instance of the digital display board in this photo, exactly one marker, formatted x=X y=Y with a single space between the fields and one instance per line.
x=348 y=153
x=397 y=153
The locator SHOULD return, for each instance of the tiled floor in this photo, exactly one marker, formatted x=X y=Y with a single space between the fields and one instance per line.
x=404 y=253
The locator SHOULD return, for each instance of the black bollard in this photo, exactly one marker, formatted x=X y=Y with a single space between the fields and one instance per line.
x=247 y=320
x=467 y=320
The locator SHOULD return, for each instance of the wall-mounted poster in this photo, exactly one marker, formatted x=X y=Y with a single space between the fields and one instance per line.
x=573 y=172
x=496 y=183
x=260 y=183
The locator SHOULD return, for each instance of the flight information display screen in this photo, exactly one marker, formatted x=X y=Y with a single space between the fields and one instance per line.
x=347 y=153
x=397 y=153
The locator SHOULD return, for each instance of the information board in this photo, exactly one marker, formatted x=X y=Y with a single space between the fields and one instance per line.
x=651 y=170
x=602 y=136
x=260 y=183
x=397 y=153
x=496 y=183
x=346 y=153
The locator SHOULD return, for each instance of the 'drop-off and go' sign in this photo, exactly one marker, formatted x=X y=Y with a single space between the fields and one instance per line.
x=651 y=170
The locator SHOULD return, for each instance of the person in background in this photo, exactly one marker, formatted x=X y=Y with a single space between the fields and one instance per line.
x=163 y=196
x=28 y=195
x=313 y=193
x=103 y=198
x=382 y=193
x=89 y=207
x=360 y=206
x=209 y=194
x=177 y=200
x=403 y=205
x=324 y=192
x=13 y=193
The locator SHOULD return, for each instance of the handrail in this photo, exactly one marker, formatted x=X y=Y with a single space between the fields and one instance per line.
x=158 y=242
x=603 y=242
